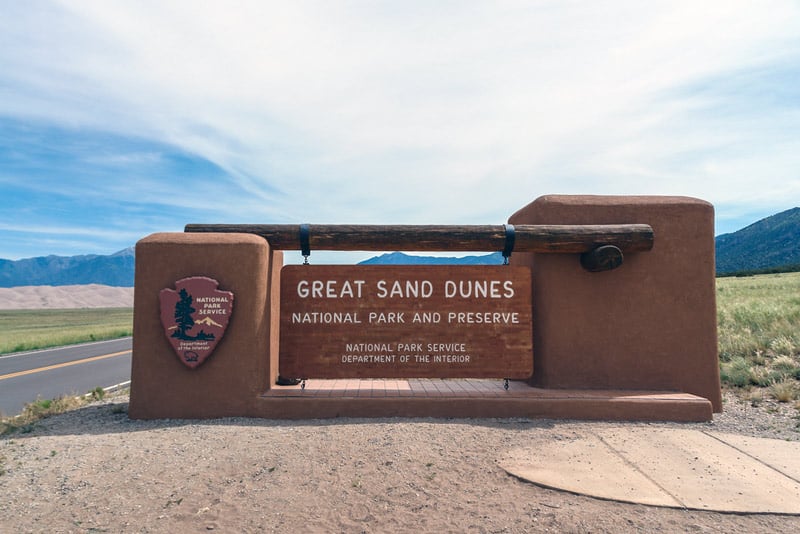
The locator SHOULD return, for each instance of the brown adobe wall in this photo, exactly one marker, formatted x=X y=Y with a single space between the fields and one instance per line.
x=245 y=361
x=651 y=323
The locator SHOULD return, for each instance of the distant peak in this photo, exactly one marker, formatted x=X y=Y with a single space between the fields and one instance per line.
x=130 y=251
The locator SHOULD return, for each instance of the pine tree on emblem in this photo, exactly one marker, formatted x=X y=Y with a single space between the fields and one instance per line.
x=183 y=315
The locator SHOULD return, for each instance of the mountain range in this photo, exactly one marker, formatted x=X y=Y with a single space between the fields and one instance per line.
x=398 y=258
x=111 y=270
x=771 y=244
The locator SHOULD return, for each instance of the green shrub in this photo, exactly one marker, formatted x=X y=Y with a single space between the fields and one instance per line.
x=736 y=372
x=783 y=345
x=761 y=376
x=784 y=364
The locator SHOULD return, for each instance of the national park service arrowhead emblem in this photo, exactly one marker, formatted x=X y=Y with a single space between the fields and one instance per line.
x=195 y=315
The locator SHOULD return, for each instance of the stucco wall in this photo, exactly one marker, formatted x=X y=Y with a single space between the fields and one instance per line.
x=245 y=361
x=651 y=323
x=647 y=325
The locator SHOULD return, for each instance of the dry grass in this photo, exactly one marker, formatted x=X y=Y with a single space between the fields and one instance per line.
x=785 y=390
x=37 y=329
x=43 y=408
x=759 y=333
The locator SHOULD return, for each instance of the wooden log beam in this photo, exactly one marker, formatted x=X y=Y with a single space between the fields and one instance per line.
x=568 y=239
x=602 y=258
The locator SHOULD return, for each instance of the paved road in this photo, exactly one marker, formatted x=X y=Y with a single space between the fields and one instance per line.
x=69 y=370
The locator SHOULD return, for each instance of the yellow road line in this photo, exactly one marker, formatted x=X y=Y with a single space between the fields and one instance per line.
x=65 y=364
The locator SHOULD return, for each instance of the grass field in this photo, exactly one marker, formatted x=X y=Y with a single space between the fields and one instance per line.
x=759 y=333
x=35 y=329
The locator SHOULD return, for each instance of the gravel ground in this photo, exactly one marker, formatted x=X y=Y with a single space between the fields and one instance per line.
x=94 y=470
x=766 y=419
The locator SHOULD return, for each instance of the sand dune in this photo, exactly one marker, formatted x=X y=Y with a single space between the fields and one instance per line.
x=51 y=297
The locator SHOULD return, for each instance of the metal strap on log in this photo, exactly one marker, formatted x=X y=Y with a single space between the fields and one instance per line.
x=596 y=243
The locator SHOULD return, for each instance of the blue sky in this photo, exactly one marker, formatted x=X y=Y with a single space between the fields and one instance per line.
x=123 y=118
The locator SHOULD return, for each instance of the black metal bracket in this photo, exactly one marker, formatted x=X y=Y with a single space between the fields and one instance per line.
x=509 y=246
x=305 y=247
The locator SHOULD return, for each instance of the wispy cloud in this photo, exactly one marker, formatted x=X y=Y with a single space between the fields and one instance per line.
x=417 y=112
x=58 y=230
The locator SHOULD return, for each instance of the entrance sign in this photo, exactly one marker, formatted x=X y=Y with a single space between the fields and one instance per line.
x=386 y=321
x=195 y=315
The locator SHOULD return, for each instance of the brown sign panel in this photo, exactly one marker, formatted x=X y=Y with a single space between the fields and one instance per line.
x=387 y=321
x=195 y=315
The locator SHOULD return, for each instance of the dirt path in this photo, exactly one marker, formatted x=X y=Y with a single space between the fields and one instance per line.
x=94 y=470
